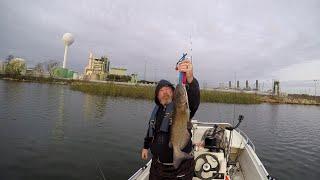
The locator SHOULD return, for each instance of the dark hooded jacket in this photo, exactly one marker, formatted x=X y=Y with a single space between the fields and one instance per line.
x=159 y=144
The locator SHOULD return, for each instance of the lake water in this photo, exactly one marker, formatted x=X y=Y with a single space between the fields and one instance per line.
x=51 y=132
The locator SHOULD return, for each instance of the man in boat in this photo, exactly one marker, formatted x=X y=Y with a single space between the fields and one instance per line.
x=157 y=138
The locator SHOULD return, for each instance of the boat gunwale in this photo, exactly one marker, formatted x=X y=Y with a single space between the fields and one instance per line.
x=140 y=170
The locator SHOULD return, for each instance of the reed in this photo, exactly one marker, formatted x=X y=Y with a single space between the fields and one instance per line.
x=35 y=79
x=229 y=97
x=147 y=92
x=116 y=90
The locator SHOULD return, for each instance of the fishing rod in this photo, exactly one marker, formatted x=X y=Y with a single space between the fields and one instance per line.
x=182 y=78
x=231 y=128
x=240 y=118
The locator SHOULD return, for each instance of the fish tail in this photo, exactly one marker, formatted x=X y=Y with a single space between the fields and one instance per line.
x=179 y=156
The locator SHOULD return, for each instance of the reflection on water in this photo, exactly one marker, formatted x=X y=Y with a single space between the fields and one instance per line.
x=274 y=119
x=58 y=130
x=51 y=132
x=94 y=106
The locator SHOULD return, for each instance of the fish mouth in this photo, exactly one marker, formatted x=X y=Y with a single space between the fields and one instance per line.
x=180 y=101
x=181 y=106
x=180 y=96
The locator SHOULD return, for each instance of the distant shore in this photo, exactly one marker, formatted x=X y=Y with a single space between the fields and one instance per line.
x=39 y=79
x=147 y=92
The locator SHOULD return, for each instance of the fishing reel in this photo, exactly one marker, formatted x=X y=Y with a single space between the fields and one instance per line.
x=207 y=167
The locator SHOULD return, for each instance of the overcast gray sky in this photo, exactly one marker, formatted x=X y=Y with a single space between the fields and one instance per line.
x=252 y=39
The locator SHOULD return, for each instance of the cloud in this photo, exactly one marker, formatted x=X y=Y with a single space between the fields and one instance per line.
x=302 y=71
x=254 y=40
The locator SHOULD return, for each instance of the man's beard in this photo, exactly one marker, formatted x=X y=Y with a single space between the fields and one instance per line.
x=166 y=99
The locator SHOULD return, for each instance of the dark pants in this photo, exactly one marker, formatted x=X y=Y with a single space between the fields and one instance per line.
x=158 y=171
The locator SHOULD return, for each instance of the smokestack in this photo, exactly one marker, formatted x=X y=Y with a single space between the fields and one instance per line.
x=90 y=60
x=108 y=66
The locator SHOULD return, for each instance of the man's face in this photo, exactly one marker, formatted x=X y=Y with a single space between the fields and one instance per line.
x=165 y=95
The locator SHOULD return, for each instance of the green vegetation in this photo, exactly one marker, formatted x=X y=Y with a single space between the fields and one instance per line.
x=15 y=67
x=228 y=97
x=116 y=90
x=39 y=79
x=147 y=92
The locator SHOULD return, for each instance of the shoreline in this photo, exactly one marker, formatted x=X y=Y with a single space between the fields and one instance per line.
x=137 y=91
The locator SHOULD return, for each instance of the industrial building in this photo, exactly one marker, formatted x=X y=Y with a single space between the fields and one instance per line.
x=118 y=71
x=97 y=68
x=60 y=72
x=134 y=78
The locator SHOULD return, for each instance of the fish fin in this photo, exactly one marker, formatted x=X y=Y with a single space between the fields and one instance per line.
x=179 y=156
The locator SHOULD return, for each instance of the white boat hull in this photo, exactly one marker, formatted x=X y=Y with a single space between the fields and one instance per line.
x=246 y=164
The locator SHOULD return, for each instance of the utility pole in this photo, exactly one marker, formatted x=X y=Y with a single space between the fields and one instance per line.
x=190 y=48
x=145 y=70
x=155 y=74
x=315 y=89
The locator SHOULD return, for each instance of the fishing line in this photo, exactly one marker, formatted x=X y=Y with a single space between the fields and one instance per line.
x=99 y=168
x=234 y=100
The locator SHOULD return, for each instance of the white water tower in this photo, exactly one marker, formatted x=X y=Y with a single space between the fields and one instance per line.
x=68 y=40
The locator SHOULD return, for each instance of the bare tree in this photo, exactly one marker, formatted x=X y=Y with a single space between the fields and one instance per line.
x=9 y=58
x=39 y=68
x=51 y=65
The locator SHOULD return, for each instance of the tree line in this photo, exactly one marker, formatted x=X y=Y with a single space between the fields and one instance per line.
x=16 y=66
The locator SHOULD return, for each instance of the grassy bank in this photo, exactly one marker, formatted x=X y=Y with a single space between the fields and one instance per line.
x=147 y=92
x=116 y=90
x=39 y=79
x=228 y=97
x=299 y=99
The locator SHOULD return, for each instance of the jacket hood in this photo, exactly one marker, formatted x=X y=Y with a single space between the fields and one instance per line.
x=162 y=83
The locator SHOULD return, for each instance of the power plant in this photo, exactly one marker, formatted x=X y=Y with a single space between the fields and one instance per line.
x=254 y=87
